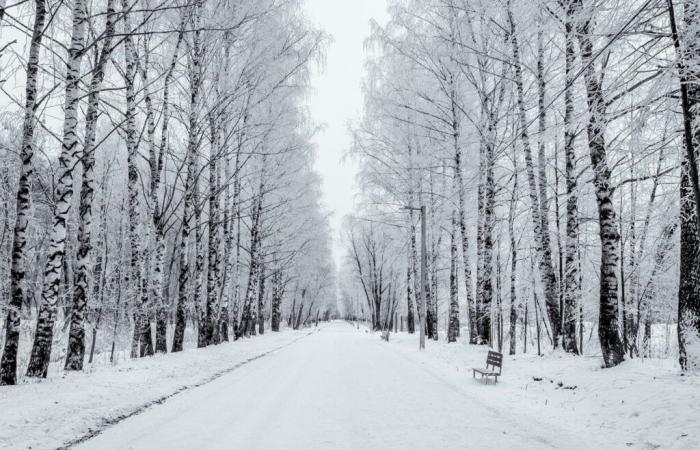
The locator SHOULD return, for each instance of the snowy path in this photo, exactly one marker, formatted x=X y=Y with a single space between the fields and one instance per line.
x=339 y=388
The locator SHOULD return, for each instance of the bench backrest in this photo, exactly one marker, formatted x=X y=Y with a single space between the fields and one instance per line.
x=494 y=359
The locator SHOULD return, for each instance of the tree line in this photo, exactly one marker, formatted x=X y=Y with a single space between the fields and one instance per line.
x=554 y=146
x=157 y=176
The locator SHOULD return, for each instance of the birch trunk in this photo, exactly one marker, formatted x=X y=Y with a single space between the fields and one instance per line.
x=76 y=338
x=70 y=154
x=409 y=297
x=8 y=364
x=689 y=289
x=213 y=259
x=513 y=259
x=99 y=274
x=248 y=318
x=453 y=328
x=474 y=324
x=610 y=342
x=153 y=262
x=541 y=234
x=199 y=311
x=228 y=218
x=183 y=281
x=412 y=270
x=143 y=343
x=632 y=280
x=275 y=315
x=485 y=288
x=237 y=271
x=431 y=320
x=190 y=188
x=459 y=186
x=261 y=297
x=572 y=289
x=225 y=297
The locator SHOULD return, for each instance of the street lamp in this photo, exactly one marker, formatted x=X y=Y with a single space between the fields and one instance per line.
x=423 y=272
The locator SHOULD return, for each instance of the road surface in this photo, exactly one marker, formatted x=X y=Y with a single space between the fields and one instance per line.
x=339 y=388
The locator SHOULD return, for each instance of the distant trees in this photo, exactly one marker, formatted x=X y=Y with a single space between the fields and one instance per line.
x=372 y=268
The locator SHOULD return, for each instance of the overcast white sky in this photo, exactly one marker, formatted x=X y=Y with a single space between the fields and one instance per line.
x=337 y=98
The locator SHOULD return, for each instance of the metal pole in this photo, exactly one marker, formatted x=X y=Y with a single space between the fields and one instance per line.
x=423 y=275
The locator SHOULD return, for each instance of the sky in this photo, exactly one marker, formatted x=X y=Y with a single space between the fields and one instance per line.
x=336 y=99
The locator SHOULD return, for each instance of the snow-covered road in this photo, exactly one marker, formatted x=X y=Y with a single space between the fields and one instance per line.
x=338 y=388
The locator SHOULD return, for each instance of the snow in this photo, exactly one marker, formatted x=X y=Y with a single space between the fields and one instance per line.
x=642 y=403
x=344 y=388
x=65 y=407
x=340 y=388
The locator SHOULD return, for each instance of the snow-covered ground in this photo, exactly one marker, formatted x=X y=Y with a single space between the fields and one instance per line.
x=66 y=407
x=342 y=387
x=339 y=388
x=643 y=403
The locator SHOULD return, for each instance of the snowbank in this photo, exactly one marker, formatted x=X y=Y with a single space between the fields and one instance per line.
x=66 y=407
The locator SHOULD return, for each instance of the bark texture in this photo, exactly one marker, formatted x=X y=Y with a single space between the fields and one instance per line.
x=70 y=154
x=610 y=342
x=8 y=364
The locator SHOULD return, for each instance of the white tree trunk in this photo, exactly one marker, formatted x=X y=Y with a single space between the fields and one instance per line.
x=70 y=154
x=76 y=338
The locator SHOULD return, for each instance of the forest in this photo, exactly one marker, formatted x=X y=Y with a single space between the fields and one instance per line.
x=550 y=149
x=157 y=178
x=343 y=224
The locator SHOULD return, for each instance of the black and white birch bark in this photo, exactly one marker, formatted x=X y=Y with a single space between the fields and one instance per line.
x=76 y=338
x=453 y=326
x=608 y=334
x=572 y=289
x=541 y=235
x=688 y=54
x=8 y=364
x=70 y=154
x=513 y=260
x=213 y=258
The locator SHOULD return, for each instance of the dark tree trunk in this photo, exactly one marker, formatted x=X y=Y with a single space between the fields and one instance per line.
x=8 y=364
x=261 y=298
x=689 y=287
x=572 y=290
x=453 y=326
x=275 y=315
x=610 y=342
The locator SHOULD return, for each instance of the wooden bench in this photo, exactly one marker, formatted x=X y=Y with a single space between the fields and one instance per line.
x=493 y=360
x=385 y=336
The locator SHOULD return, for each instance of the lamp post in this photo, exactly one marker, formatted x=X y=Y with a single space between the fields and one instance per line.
x=423 y=272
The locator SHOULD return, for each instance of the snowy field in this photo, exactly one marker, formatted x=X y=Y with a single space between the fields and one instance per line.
x=342 y=387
